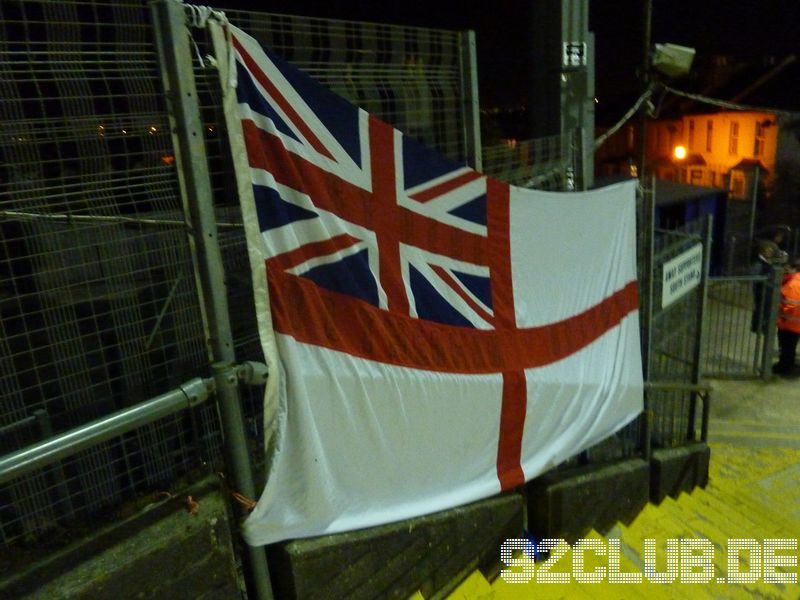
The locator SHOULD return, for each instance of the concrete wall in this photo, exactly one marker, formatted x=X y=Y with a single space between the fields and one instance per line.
x=172 y=549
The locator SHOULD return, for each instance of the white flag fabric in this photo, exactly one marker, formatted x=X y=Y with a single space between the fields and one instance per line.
x=434 y=336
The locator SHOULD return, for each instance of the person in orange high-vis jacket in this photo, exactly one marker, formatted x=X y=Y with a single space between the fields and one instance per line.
x=788 y=319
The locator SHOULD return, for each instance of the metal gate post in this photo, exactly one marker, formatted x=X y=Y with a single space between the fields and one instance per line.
x=772 y=323
x=645 y=262
x=697 y=359
x=473 y=150
x=172 y=39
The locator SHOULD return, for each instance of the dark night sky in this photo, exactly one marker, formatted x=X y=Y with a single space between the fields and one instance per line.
x=739 y=27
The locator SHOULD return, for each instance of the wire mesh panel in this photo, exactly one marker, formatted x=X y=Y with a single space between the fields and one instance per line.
x=97 y=296
x=35 y=508
x=410 y=77
x=541 y=163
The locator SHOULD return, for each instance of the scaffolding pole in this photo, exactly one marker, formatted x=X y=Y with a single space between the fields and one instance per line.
x=177 y=73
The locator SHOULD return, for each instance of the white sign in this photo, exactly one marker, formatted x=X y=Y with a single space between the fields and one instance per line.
x=574 y=54
x=682 y=274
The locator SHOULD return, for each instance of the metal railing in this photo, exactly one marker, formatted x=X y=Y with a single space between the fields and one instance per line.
x=97 y=296
x=99 y=262
x=69 y=443
x=741 y=326
x=675 y=330
x=676 y=391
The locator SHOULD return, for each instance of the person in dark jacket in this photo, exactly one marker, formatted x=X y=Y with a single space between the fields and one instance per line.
x=763 y=267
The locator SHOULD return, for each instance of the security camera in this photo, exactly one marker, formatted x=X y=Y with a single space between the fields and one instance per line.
x=672 y=60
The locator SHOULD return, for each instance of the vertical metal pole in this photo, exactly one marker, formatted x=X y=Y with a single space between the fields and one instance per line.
x=753 y=203
x=562 y=78
x=575 y=88
x=587 y=128
x=771 y=331
x=647 y=233
x=645 y=75
x=473 y=149
x=177 y=73
x=645 y=215
x=702 y=295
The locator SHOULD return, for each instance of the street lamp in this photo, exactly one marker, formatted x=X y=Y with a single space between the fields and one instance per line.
x=679 y=152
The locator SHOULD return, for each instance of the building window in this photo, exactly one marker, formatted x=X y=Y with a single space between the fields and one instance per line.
x=758 y=149
x=691 y=135
x=696 y=176
x=709 y=134
x=733 y=140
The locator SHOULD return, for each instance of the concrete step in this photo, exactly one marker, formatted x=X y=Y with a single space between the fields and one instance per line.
x=728 y=517
x=753 y=494
x=474 y=587
x=770 y=523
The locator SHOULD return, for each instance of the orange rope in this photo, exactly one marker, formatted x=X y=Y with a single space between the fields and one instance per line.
x=245 y=502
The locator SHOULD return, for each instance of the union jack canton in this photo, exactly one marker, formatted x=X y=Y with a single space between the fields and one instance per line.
x=351 y=204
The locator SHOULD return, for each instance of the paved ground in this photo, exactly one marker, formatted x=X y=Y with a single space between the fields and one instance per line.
x=753 y=494
x=756 y=413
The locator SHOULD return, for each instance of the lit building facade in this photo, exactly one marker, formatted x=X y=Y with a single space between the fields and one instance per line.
x=733 y=150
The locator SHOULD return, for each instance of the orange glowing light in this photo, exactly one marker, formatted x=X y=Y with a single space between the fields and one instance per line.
x=680 y=152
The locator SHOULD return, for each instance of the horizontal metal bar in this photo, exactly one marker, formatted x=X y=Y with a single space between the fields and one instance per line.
x=95 y=25
x=102 y=54
x=24 y=422
x=676 y=386
x=191 y=393
x=19 y=215
x=65 y=97
x=260 y=21
x=738 y=279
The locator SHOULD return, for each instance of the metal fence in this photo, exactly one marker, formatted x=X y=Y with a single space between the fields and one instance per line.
x=542 y=163
x=674 y=338
x=676 y=402
x=99 y=307
x=740 y=335
x=419 y=80
x=98 y=294
x=98 y=282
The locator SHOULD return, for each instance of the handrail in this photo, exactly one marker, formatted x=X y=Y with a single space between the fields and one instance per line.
x=193 y=392
x=677 y=386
